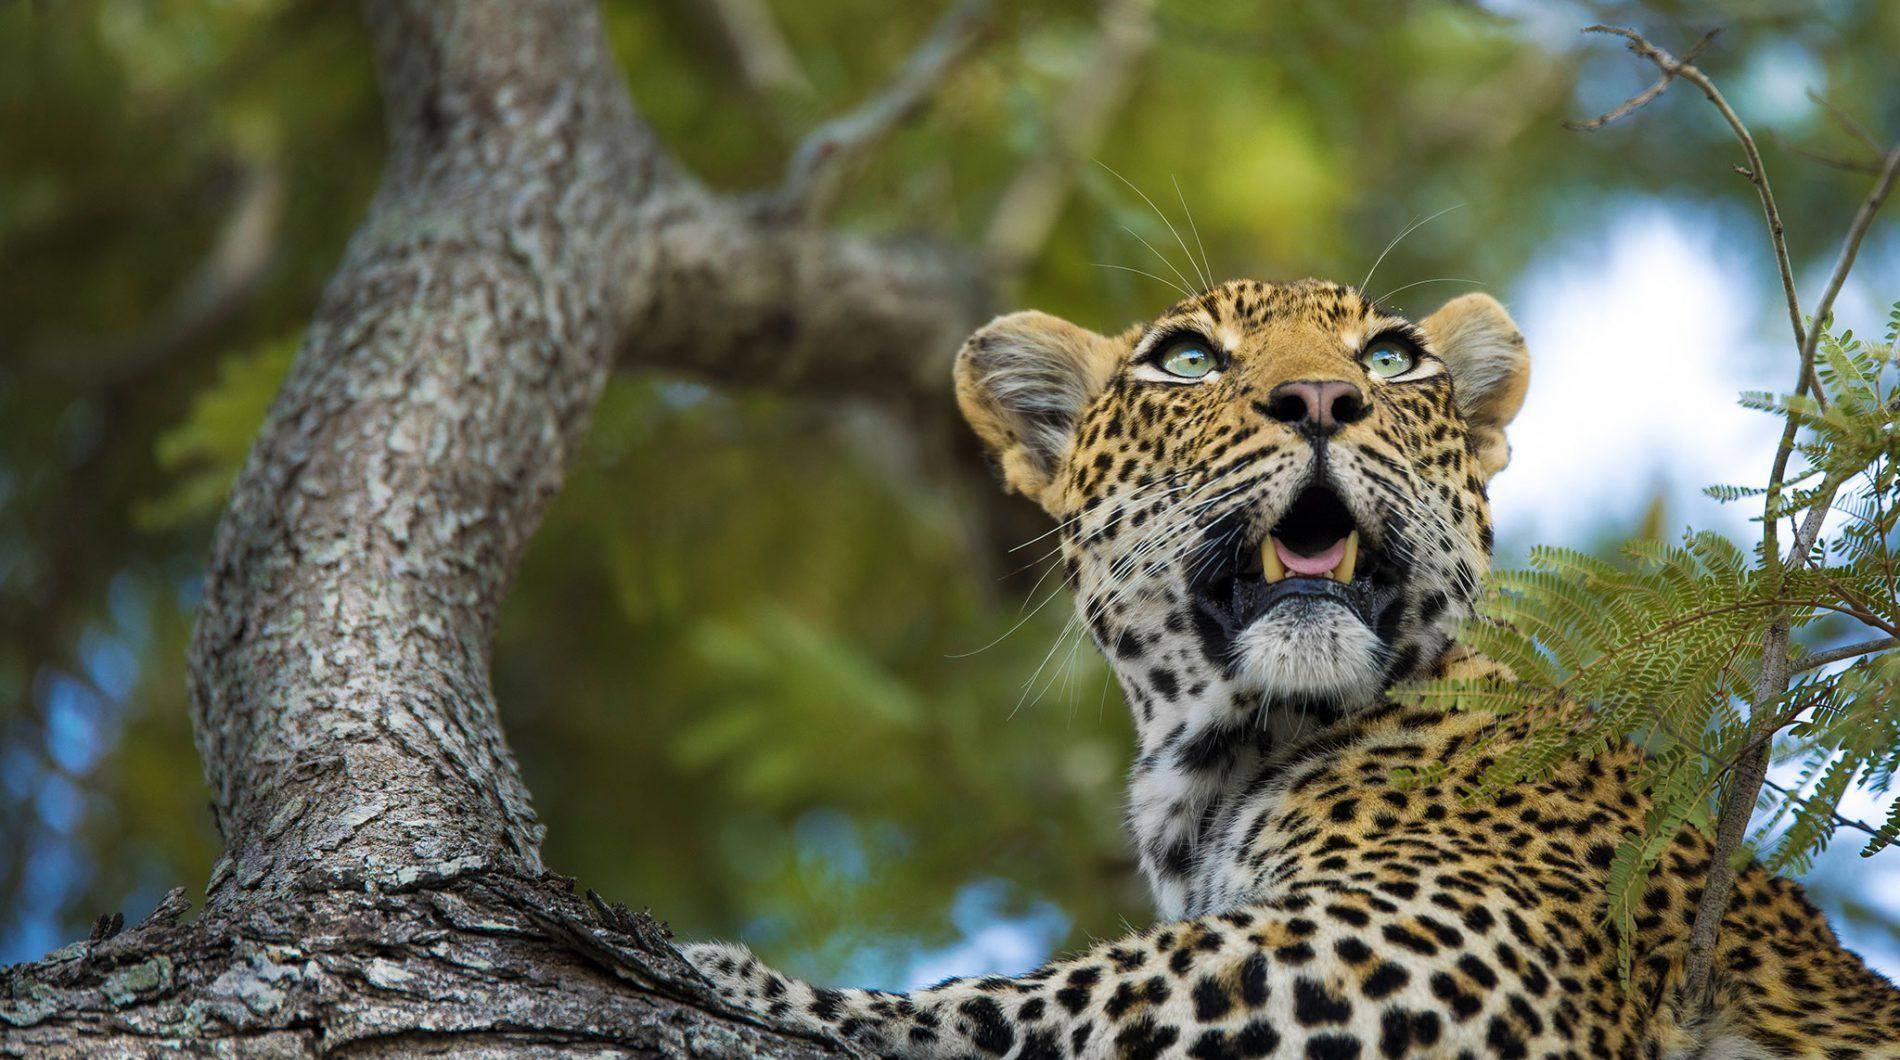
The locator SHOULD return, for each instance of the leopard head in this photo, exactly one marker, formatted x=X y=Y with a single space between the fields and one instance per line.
x=1270 y=498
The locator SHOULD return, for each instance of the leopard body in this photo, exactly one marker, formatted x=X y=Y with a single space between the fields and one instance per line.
x=1325 y=892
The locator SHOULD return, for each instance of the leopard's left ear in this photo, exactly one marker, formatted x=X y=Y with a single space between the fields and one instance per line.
x=1490 y=370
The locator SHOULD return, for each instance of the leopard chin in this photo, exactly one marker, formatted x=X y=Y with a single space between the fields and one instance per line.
x=1310 y=648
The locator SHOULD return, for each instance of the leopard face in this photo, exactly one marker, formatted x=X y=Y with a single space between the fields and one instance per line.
x=1270 y=498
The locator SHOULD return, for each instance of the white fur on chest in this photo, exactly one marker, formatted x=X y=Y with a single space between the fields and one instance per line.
x=1227 y=876
x=1224 y=818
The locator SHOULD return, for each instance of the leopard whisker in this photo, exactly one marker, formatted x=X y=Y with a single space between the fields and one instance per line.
x=1128 y=510
x=1381 y=300
x=1073 y=519
x=1396 y=240
x=1067 y=585
x=1164 y=260
x=1020 y=623
x=1207 y=270
x=1104 y=265
x=1030 y=684
x=1151 y=205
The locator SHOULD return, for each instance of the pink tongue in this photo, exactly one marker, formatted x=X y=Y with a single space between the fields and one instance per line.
x=1310 y=566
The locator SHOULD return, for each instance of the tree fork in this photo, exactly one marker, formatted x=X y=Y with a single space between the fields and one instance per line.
x=381 y=890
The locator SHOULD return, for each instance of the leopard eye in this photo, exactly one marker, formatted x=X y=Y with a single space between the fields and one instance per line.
x=1387 y=358
x=1188 y=359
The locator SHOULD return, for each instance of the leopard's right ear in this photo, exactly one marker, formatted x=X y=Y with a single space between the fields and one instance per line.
x=1022 y=381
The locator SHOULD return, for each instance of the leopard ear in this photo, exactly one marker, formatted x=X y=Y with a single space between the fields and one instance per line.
x=1022 y=380
x=1490 y=370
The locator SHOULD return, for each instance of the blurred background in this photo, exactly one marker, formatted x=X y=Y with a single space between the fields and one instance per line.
x=766 y=667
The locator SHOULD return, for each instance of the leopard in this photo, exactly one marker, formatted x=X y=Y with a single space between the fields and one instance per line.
x=1272 y=513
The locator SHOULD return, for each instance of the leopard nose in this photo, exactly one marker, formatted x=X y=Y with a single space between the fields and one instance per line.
x=1316 y=406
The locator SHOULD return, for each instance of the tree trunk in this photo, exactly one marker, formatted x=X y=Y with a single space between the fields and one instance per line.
x=381 y=890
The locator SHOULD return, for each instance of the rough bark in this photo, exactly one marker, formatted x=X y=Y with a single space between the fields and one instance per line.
x=381 y=890
x=493 y=966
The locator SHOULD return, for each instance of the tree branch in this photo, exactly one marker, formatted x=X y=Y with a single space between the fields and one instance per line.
x=819 y=161
x=817 y=312
x=1030 y=206
x=1846 y=121
x=529 y=230
x=1772 y=680
x=381 y=885
x=1851 y=165
x=1757 y=175
x=766 y=61
x=1816 y=660
x=1635 y=102
x=339 y=665
x=494 y=966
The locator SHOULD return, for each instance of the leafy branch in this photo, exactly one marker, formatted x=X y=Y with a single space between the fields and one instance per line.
x=1690 y=649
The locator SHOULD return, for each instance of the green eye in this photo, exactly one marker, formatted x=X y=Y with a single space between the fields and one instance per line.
x=1188 y=358
x=1387 y=358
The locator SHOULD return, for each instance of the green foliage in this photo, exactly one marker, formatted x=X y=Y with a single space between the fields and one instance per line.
x=202 y=454
x=750 y=682
x=1665 y=648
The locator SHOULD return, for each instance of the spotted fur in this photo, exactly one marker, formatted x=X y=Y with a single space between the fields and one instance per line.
x=1317 y=903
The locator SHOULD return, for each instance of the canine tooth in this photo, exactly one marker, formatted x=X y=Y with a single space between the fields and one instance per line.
x=1270 y=561
x=1343 y=572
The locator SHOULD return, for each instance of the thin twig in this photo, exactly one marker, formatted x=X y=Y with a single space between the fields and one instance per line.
x=1738 y=805
x=821 y=157
x=1630 y=105
x=1755 y=171
x=1848 y=651
x=1750 y=772
x=1851 y=165
x=1850 y=249
x=1816 y=515
x=1860 y=609
x=1846 y=121
x=1845 y=822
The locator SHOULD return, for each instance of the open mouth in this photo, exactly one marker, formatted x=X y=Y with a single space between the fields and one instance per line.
x=1314 y=553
